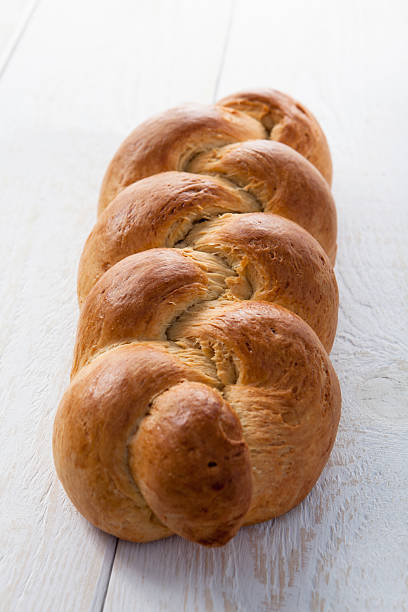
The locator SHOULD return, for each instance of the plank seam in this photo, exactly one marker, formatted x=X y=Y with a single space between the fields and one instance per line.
x=18 y=37
x=224 y=51
x=102 y=585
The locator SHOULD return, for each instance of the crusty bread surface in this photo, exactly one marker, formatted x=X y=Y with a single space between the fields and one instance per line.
x=202 y=397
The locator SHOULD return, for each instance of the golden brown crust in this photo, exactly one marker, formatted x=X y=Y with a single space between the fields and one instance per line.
x=155 y=212
x=284 y=390
x=281 y=180
x=253 y=256
x=286 y=121
x=192 y=464
x=139 y=297
x=280 y=262
x=276 y=377
x=159 y=210
x=202 y=395
x=96 y=419
x=169 y=141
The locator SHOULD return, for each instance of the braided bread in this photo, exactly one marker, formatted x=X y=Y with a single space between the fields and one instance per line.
x=202 y=396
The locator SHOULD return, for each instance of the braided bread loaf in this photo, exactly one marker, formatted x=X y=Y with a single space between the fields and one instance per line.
x=202 y=396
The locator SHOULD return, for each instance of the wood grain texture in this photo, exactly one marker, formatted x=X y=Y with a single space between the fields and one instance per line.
x=81 y=77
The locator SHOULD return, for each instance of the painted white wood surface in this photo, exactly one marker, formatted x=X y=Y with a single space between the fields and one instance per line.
x=80 y=77
x=14 y=17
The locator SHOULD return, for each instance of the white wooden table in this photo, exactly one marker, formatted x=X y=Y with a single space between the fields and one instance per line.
x=75 y=78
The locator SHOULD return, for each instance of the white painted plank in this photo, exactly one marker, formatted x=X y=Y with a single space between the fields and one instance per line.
x=345 y=547
x=14 y=17
x=82 y=76
x=51 y=557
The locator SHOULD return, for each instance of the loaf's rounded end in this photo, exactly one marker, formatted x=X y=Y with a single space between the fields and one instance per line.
x=192 y=465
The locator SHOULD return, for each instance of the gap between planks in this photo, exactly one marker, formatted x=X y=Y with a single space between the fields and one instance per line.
x=224 y=50
x=28 y=14
x=102 y=585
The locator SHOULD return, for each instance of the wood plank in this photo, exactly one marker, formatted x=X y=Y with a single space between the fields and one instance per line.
x=82 y=76
x=53 y=557
x=345 y=547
